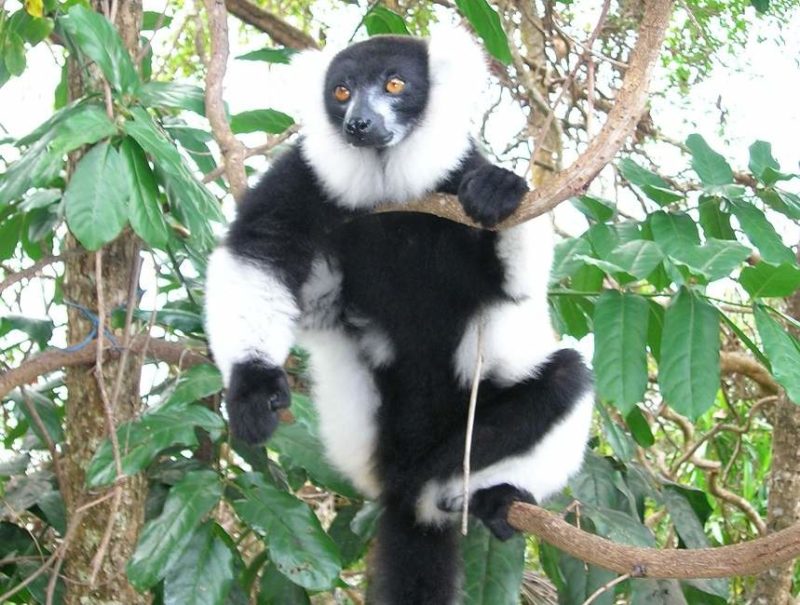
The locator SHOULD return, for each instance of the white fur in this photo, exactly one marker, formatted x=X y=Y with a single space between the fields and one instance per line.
x=347 y=400
x=361 y=177
x=250 y=314
x=517 y=334
x=543 y=471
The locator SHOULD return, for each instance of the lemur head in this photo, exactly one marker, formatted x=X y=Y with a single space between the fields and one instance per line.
x=377 y=90
x=388 y=118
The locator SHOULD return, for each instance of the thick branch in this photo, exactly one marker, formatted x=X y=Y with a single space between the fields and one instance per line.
x=232 y=149
x=275 y=27
x=745 y=559
x=620 y=124
x=733 y=362
x=173 y=353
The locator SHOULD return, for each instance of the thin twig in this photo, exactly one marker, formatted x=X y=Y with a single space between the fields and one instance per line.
x=473 y=403
x=582 y=58
x=111 y=427
x=606 y=587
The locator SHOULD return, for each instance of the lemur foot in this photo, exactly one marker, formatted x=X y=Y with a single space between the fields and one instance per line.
x=491 y=506
x=491 y=194
x=255 y=394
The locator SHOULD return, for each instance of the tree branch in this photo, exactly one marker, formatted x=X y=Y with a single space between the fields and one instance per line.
x=734 y=362
x=232 y=148
x=619 y=125
x=173 y=353
x=744 y=559
x=275 y=27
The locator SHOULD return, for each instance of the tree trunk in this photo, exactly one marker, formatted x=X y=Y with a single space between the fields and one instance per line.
x=774 y=586
x=86 y=425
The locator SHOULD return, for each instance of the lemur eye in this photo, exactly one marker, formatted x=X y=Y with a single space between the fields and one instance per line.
x=341 y=94
x=395 y=86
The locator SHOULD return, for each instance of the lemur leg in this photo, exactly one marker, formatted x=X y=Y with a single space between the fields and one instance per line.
x=530 y=436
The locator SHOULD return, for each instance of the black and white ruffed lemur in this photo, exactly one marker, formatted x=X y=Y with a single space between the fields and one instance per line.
x=388 y=305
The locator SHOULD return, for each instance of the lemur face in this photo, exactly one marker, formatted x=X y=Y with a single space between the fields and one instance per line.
x=377 y=90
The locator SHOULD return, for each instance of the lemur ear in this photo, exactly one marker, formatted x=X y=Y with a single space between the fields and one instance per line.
x=457 y=61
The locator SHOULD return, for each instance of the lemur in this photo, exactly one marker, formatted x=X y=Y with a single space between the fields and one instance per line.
x=389 y=307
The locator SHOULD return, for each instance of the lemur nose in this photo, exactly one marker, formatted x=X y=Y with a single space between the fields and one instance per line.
x=358 y=126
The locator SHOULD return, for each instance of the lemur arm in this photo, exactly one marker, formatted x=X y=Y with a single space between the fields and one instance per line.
x=487 y=192
x=253 y=283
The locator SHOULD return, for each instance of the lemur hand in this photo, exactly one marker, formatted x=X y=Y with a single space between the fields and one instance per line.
x=255 y=394
x=491 y=194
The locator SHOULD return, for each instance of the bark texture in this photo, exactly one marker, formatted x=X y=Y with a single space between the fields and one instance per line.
x=86 y=425
x=774 y=586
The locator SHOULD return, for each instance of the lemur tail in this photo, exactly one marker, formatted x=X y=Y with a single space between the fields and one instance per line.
x=413 y=564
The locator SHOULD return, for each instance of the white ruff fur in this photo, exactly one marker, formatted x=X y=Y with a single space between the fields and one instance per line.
x=543 y=470
x=517 y=335
x=361 y=177
x=347 y=399
x=250 y=314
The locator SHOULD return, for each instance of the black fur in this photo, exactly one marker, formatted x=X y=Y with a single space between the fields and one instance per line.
x=364 y=69
x=255 y=394
x=420 y=280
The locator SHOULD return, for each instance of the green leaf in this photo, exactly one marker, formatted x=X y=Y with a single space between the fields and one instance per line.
x=100 y=41
x=174 y=95
x=761 y=232
x=766 y=280
x=164 y=539
x=683 y=516
x=689 y=368
x=638 y=258
x=639 y=427
x=194 y=141
x=716 y=222
x=141 y=440
x=714 y=259
x=96 y=197
x=72 y=127
x=656 y=592
x=761 y=159
x=277 y=589
x=196 y=383
x=594 y=208
x=746 y=340
x=261 y=120
x=655 y=328
x=762 y=6
x=486 y=22
x=673 y=230
x=492 y=569
x=619 y=440
x=620 y=354
x=87 y=125
x=203 y=573
x=380 y=20
x=270 y=55
x=191 y=201
x=782 y=201
x=151 y=19
x=581 y=581
x=652 y=185
x=566 y=261
x=298 y=441
x=710 y=166
x=783 y=350
x=298 y=546
x=351 y=545
x=144 y=209
x=14 y=53
x=38 y=330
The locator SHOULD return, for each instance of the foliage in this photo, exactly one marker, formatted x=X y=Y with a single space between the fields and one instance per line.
x=701 y=270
